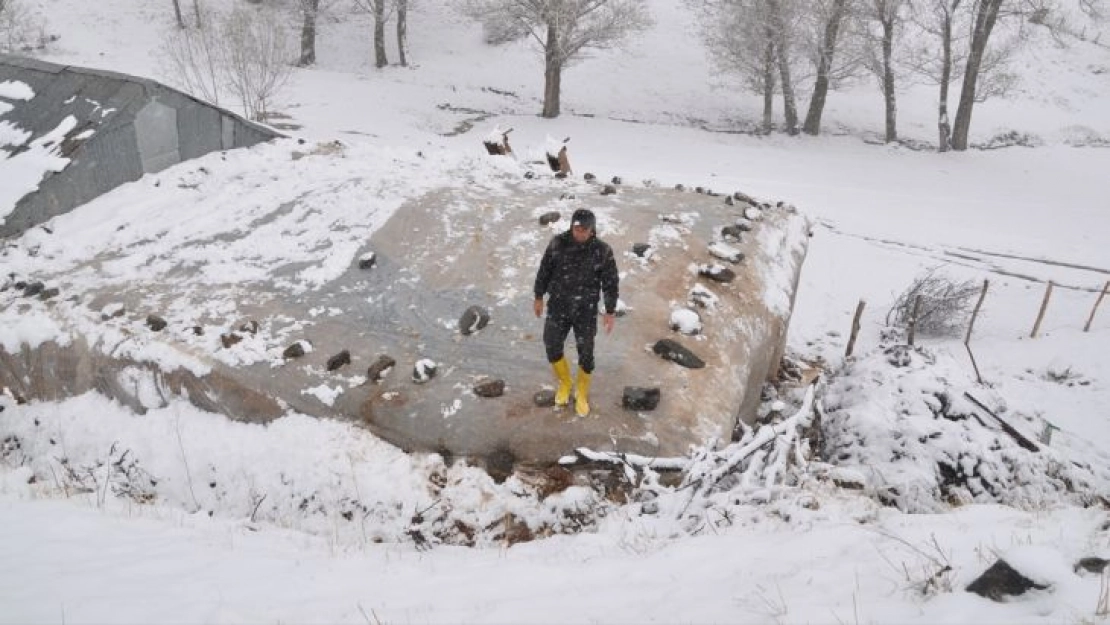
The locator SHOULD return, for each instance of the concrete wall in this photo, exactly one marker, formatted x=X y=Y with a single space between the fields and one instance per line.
x=140 y=127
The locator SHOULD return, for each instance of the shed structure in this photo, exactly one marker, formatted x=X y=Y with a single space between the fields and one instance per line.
x=112 y=128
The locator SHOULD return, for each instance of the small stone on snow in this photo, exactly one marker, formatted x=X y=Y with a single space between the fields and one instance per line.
x=424 y=370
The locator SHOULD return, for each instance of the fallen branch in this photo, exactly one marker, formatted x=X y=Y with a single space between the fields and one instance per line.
x=786 y=430
x=586 y=456
x=1009 y=429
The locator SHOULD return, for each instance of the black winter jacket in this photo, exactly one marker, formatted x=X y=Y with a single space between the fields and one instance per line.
x=574 y=273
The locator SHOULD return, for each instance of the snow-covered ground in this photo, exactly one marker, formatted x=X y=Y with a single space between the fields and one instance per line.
x=310 y=521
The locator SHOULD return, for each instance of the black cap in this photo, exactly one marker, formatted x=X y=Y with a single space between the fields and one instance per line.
x=583 y=217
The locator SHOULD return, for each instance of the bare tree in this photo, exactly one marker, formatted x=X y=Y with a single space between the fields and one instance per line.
x=780 y=34
x=256 y=51
x=830 y=14
x=967 y=53
x=939 y=19
x=889 y=17
x=194 y=56
x=986 y=15
x=310 y=10
x=739 y=37
x=565 y=30
x=402 y=31
x=177 y=13
x=245 y=52
x=21 y=29
x=767 y=77
x=379 y=10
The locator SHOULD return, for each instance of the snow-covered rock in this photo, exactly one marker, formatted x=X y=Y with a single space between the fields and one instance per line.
x=685 y=321
x=424 y=370
x=725 y=252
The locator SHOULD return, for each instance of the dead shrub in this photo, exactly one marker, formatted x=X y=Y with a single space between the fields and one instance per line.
x=945 y=304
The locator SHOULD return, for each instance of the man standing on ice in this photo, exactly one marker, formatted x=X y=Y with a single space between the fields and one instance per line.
x=575 y=269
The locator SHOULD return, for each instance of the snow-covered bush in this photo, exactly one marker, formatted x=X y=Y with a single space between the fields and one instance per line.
x=1010 y=138
x=907 y=430
x=1079 y=136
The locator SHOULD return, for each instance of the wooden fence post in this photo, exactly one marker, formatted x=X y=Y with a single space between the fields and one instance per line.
x=1091 y=318
x=971 y=325
x=913 y=320
x=855 y=329
x=975 y=313
x=1040 y=314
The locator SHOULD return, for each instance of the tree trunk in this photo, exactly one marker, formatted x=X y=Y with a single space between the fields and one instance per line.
x=310 y=9
x=380 y=59
x=889 y=97
x=984 y=24
x=552 y=74
x=176 y=12
x=944 y=129
x=812 y=125
x=402 y=30
x=768 y=86
x=782 y=52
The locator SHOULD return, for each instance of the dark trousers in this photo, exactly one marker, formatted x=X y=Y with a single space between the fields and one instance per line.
x=558 y=326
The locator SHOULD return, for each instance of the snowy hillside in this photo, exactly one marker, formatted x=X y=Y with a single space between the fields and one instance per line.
x=914 y=490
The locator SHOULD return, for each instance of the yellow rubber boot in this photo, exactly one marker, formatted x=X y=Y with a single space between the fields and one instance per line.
x=582 y=394
x=562 y=374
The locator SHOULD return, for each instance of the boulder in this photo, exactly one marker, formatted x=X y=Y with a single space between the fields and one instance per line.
x=473 y=319
x=550 y=218
x=544 y=398
x=717 y=273
x=744 y=197
x=156 y=323
x=726 y=252
x=338 y=360
x=702 y=297
x=732 y=232
x=112 y=311
x=490 y=388
x=685 y=321
x=1091 y=565
x=1000 y=581
x=296 y=350
x=671 y=350
x=424 y=370
x=377 y=371
x=640 y=398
